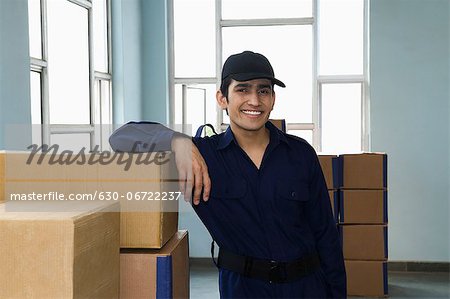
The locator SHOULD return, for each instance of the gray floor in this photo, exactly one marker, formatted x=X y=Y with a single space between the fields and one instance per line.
x=204 y=284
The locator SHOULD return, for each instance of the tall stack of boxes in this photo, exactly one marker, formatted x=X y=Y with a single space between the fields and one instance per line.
x=91 y=249
x=363 y=222
x=154 y=255
x=362 y=217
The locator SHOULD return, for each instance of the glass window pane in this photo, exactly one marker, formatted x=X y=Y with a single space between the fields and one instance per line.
x=34 y=26
x=195 y=41
x=289 y=49
x=341 y=37
x=305 y=134
x=105 y=95
x=35 y=93
x=68 y=63
x=200 y=106
x=73 y=142
x=100 y=16
x=261 y=9
x=341 y=118
x=178 y=104
x=195 y=108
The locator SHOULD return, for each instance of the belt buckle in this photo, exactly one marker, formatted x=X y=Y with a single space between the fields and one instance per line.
x=277 y=272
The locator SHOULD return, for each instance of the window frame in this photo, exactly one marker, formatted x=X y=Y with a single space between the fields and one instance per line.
x=41 y=66
x=317 y=81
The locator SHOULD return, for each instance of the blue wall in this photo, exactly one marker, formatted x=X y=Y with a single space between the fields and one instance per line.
x=155 y=84
x=127 y=60
x=140 y=81
x=409 y=58
x=15 y=103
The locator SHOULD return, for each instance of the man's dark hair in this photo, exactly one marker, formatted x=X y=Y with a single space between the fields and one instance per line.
x=224 y=87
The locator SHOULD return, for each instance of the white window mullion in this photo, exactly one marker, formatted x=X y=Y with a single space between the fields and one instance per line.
x=340 y=79
x=84 y=3
x=366 y=142
x=171 y=62
x=315 y=86
x=218 y=16
x=44 y=79
x=266 y=22
x=95 y=105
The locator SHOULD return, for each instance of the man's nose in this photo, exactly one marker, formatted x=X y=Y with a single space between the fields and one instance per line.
x=253 y=98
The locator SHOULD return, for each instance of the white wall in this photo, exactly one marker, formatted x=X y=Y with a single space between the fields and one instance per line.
x=409 y=58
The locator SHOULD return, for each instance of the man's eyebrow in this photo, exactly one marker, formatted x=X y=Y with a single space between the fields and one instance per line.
x=243 y=85
x=264 y=86
x=259 y=86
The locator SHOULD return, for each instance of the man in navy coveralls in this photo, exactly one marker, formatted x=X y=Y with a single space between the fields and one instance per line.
x=265 y=201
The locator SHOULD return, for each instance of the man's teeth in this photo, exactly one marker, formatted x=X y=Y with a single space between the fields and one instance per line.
x=251 y=112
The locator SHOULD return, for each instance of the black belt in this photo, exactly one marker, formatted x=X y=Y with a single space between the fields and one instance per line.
x=268 y=270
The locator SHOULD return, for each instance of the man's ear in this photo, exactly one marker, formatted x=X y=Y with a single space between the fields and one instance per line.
x=221 y=100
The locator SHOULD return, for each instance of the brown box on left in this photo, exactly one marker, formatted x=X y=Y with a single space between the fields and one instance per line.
x=2 y=176
x=60 y=254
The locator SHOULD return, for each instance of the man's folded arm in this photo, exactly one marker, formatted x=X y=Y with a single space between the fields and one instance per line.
x=142 y=137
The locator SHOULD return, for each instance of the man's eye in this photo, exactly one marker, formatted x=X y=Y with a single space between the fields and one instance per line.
x=242 y=90
x=264 y=91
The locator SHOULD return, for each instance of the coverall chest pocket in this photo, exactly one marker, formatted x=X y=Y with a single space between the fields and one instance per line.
x=230 y=189
x=292 y=195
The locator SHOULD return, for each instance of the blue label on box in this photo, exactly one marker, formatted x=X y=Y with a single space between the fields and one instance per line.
x=164 y=277
x=341 y=206
x=385 y=278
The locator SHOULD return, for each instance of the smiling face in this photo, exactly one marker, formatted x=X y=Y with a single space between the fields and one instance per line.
x=249 y=104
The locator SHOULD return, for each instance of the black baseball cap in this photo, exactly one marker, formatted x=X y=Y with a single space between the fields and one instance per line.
x=249 y=65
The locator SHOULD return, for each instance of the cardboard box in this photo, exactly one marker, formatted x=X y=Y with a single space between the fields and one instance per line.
x=363 y=171
x=26 y=173
x=330 y=169
x=363 y=207
x=160 y=273
x=147 y=222
x=279 y=123
x=127 y=178
x=60 y=254
x=367 y=278
x=334 y=200
x=2 y=176
x=147 y=229
x=364 y=242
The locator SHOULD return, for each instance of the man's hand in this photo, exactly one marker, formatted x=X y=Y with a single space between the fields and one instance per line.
x=192 y=170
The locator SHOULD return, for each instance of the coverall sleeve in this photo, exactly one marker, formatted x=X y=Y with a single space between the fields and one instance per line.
x=142 y=137
x=324 y=228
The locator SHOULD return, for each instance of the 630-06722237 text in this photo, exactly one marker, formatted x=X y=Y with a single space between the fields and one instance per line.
x=97 y=195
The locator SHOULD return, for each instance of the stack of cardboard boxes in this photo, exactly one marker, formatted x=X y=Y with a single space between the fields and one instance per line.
x=154 y=255
x=362 y=217
x=90 y=248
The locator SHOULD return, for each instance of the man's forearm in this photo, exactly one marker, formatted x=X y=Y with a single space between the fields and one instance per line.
x=142 y=137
